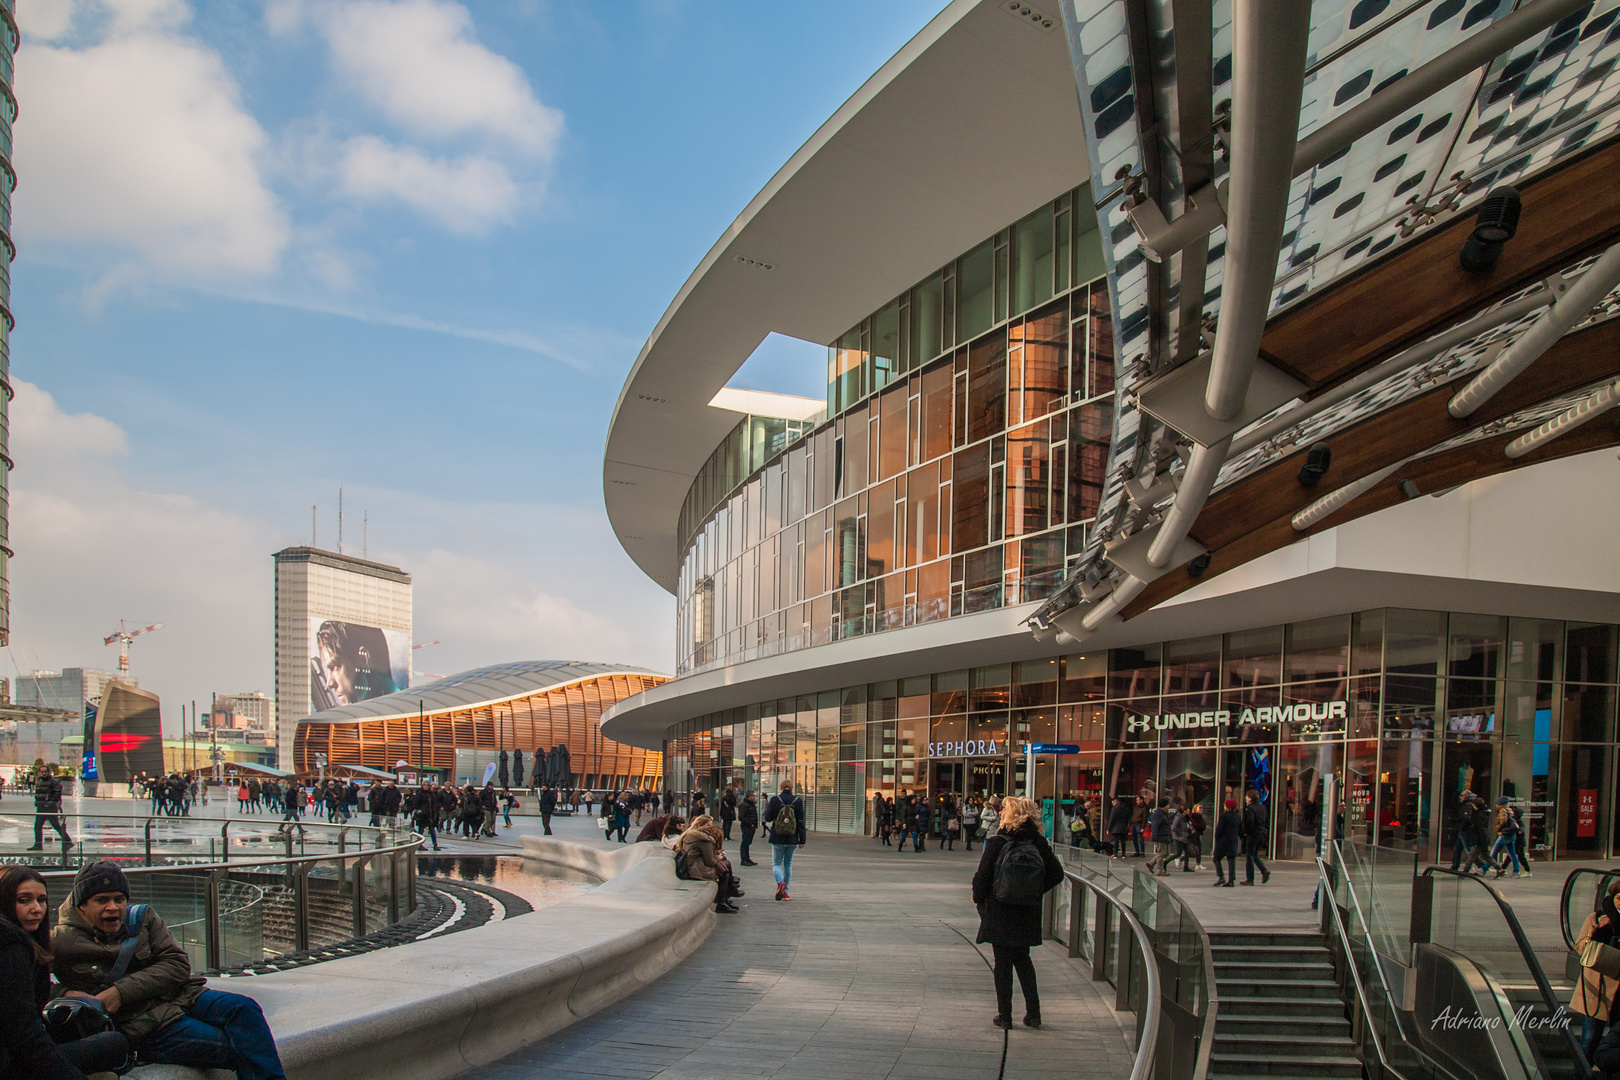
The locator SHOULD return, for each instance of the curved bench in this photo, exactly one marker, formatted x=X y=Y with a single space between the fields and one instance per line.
x=434 y=1008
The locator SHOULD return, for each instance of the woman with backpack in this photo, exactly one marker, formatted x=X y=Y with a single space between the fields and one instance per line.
x=1016 y=870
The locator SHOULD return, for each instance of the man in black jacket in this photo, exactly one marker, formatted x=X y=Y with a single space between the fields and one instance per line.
x=1256 y=831
x=728 y=811
x=548 y=806
x=748 y=815
x=48 y=808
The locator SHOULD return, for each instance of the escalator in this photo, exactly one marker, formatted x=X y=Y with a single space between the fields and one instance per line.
x=1440 y=975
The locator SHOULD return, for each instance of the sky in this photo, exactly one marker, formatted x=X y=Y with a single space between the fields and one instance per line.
x=406 y=247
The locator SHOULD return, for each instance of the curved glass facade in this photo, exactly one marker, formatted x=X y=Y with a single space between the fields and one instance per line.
x=965 y=458
x=1408 y=708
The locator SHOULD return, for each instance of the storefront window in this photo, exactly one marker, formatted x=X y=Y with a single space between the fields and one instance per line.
x=1085 y=677
x=1589 y=654
x=1476 y=646
x=1319 y=649
x=1413 y=641
x=1134 y=672
x=1367 y=642
x=1253 y=658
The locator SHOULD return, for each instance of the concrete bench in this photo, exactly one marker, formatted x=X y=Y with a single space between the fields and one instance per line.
x=434 y=1008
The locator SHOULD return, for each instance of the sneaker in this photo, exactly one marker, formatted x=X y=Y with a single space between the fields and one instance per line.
x=781 y=891
x=785 y=895
x=1525 y=874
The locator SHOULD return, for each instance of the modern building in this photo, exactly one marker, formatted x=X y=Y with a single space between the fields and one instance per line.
x=548 y=711
x=67 y=689
x=1171 y=421
x=343 y=635
x=29 y=734
x=250 y=716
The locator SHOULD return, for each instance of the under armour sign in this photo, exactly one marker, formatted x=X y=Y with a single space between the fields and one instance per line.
x=1300 y=713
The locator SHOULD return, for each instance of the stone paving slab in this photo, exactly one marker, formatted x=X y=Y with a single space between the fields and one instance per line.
x=868 y=972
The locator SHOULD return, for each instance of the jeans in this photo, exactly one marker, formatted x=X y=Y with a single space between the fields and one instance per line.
x=1251 y=858
x=1137 y=838
x=1466 y=843
x=1512 y=850
x=221 y=1031
x=433 y=835
x=782 y=862
x=726 y=830
x=1591 y=1032
x=55 y=821
x=545 y=820
x=747 y=839
x=1010 y=958
x=106 y=1051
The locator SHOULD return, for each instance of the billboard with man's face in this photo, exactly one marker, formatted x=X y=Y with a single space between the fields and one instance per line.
x=351 y=663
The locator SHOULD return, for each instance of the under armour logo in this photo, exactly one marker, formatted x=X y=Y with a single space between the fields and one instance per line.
x=1138 y=723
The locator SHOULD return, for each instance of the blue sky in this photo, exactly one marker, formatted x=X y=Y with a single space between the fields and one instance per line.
x=409 y=247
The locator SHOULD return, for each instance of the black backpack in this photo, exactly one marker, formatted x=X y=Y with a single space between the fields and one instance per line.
x=1467 y=818
x=1020 y=874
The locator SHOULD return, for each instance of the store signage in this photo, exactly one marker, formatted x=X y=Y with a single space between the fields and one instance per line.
x=1303 y=712
x=1586 y=812
x=970 y=748
x=1053 y=748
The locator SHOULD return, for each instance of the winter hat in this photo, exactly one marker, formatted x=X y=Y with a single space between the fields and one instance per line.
x=1231 y=804
x=1502 y=800
x=97 y=878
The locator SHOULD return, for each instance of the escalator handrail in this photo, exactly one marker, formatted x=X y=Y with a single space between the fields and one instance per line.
x=1147 y=1044
x=1569 y=888
x=1523 y=942
x=1350 y=960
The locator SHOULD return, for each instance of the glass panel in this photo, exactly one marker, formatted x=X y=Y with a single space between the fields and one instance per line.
x=1318 y=649
x=1027 y=481
x=1533 y=649
x=1192 y=665
x=1583 y=811
x=1590 y=653
x=846 y=366
x=1085 y=678
x=1133 y=672
x=1413 y=641
x=1035 y=683
x=1032 y=274
x=976 y=280
x=1588 y=713
x=987 y=386
x=1367 y=642
x=936 y=411
x=892 y=433
x=970 y=497
x=1253 y=658
x=1476 y=646
x=885 y=345
x=927 y=313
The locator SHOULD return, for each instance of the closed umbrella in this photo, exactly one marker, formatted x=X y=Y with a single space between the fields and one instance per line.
x=503 y=773
x=517 y=767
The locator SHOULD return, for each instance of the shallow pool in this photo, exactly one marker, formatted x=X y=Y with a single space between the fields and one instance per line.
x=540 y=889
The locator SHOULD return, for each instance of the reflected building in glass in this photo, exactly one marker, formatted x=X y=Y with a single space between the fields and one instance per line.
x=852 y=588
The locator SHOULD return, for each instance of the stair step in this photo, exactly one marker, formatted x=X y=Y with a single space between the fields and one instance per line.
x=1279 y=954
x=1270 y=1023
x=1312 y=1046
x=1267 y=937
x=1277 y=988
x=1278 y=1065
x=1290 y=1008
x=1245 y=969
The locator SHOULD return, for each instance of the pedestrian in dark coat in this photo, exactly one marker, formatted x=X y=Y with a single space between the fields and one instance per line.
x=1228 y=843
x=1011 y=930
x=748 y=818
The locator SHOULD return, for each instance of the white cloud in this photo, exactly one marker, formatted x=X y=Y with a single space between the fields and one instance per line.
x=139 y=142
x=466 y=194
x=419 y=62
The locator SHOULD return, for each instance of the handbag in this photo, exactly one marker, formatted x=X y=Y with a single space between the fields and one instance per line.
x=1601 y=958
x=601 y=823
x=953 y=825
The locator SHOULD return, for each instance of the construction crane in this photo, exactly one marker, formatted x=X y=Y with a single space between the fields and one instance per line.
x=413 y=672
x=124 y=637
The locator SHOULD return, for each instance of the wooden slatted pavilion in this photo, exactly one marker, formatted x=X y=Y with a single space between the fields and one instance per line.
x=524 y=706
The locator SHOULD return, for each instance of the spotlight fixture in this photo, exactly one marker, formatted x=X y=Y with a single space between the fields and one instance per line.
x=1409 y=488
x=1317 y=460
x=1498 y=220
x=1196 y=568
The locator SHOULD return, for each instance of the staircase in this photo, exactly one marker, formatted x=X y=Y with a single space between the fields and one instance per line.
x=1280 y=1013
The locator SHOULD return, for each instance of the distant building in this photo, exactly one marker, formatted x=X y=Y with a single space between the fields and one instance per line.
x=67 y=689
x=29 y=734
x=343 y=635
x=249 y=716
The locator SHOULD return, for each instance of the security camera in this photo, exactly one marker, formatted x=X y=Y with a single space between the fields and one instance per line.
x=1498 y=220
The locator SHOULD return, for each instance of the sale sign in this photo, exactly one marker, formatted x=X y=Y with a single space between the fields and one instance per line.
x=1586 y=812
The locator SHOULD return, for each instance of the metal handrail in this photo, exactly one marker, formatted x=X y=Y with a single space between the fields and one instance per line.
x=1604 y=873
x=1350 y=959
x=1522 y=940
x=148 y=820
x=1148 y=1035
x=251 y=864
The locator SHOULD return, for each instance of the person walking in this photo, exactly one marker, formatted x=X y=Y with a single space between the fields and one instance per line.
x=48 y=809
x=924 y=820
x=1139 y=820
x=971 y=812
x=1161 y=837
x=1016 y=869
x=548 y=806
x=1508 y=828
x=728 y=811
x=1470 y=816
x=427 y=812
x=1119 y=825
x=953 y=823
x=785 y=816
x=989 y=818
x=1195 y=821
x=1594 y=995
x=1181 y=836
x=748 y=818
x=1228 y=842
x=1256 y=831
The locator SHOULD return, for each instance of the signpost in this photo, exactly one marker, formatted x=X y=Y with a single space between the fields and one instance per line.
x=1030 y=750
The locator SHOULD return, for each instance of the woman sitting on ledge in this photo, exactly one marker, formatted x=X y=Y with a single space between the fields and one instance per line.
x=704 y=862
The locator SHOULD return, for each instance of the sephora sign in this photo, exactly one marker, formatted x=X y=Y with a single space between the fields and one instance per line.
x=1302 y=713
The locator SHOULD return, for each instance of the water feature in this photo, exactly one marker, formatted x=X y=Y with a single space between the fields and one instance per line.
x=508 y=872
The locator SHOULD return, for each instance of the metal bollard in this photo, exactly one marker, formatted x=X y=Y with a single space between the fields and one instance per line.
x=213 y=924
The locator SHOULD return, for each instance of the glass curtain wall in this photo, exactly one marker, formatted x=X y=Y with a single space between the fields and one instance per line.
x=1407 y=708
x=966 y=455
